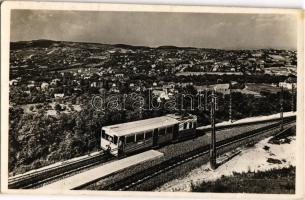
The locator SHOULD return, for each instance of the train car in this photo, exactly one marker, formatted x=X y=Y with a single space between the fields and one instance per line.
x=130 y=137
x=187 y=126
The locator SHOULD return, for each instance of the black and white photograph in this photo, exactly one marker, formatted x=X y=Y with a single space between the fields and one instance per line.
x=157 y=99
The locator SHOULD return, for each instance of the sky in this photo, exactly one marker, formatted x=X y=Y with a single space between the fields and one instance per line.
x=202 y=30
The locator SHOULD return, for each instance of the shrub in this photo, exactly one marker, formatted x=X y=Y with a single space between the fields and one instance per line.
x=275 y=181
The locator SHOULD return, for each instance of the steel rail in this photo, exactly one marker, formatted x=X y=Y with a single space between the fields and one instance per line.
x=34 y=179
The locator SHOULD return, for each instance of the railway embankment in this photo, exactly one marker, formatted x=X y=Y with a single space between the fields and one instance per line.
x=268 y=166
x=175 y=150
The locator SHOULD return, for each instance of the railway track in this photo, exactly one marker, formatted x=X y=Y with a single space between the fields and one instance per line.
x=134 y=180
x=222 y=127
x=35 y=179
x=40 y=177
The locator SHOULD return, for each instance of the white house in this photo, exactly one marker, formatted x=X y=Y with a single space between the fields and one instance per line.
x=59 y=95
x=44 y=86
x=13 y=82
x=287 y=85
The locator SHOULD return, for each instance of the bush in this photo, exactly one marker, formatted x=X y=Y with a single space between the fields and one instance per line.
x=266 y=148
x=274 y=161
x=38 y=106
x=57 y=107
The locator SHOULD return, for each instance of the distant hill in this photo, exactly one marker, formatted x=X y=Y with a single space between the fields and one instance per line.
x=28 y=44
x=175 y=47
x=49 y=55
x=126 y=46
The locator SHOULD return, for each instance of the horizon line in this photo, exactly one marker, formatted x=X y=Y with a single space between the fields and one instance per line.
x=156 y=47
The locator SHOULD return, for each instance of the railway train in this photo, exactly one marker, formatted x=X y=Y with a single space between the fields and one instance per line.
x=131 y=137
x=127 y=138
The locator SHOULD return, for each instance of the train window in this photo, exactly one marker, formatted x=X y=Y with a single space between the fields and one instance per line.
x=109 y=138
x=121 y=141
x=140 y=137
x=184 y=125
x=162 y=131
x=169 y=129
x=148 y=135
x=115 y=139
x=103 y=134
x=130 y=139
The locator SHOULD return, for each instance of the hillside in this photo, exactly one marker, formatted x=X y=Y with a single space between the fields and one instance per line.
x=27 y=57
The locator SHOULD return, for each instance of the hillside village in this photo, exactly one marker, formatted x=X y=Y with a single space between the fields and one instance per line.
x=59 y=69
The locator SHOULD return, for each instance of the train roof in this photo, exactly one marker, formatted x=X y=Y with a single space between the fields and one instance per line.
x=139 y=126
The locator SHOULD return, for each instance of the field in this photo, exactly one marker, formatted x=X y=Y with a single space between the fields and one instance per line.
x=250 y=88
x=262 y=88
x=281 y=70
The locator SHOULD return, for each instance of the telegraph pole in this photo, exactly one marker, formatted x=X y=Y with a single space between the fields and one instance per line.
x=230 y=107
x=282 y=109
x=206 y=95
x=213 y=135
x=141 y=112
x=292 y=97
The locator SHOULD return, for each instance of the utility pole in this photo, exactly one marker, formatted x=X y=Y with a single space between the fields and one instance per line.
x=140 y=112
x=230 y=106
x=213 y=107
x=282 y=109
x=292 y=97
x=206 y=95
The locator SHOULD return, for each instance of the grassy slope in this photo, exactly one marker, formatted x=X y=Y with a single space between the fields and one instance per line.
x=275 y=181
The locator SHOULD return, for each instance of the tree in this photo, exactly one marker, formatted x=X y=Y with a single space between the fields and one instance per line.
x=57 y=107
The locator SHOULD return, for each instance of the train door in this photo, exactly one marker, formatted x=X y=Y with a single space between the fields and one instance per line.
x=176 y=132
x=121 y=145
x=155 y=137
